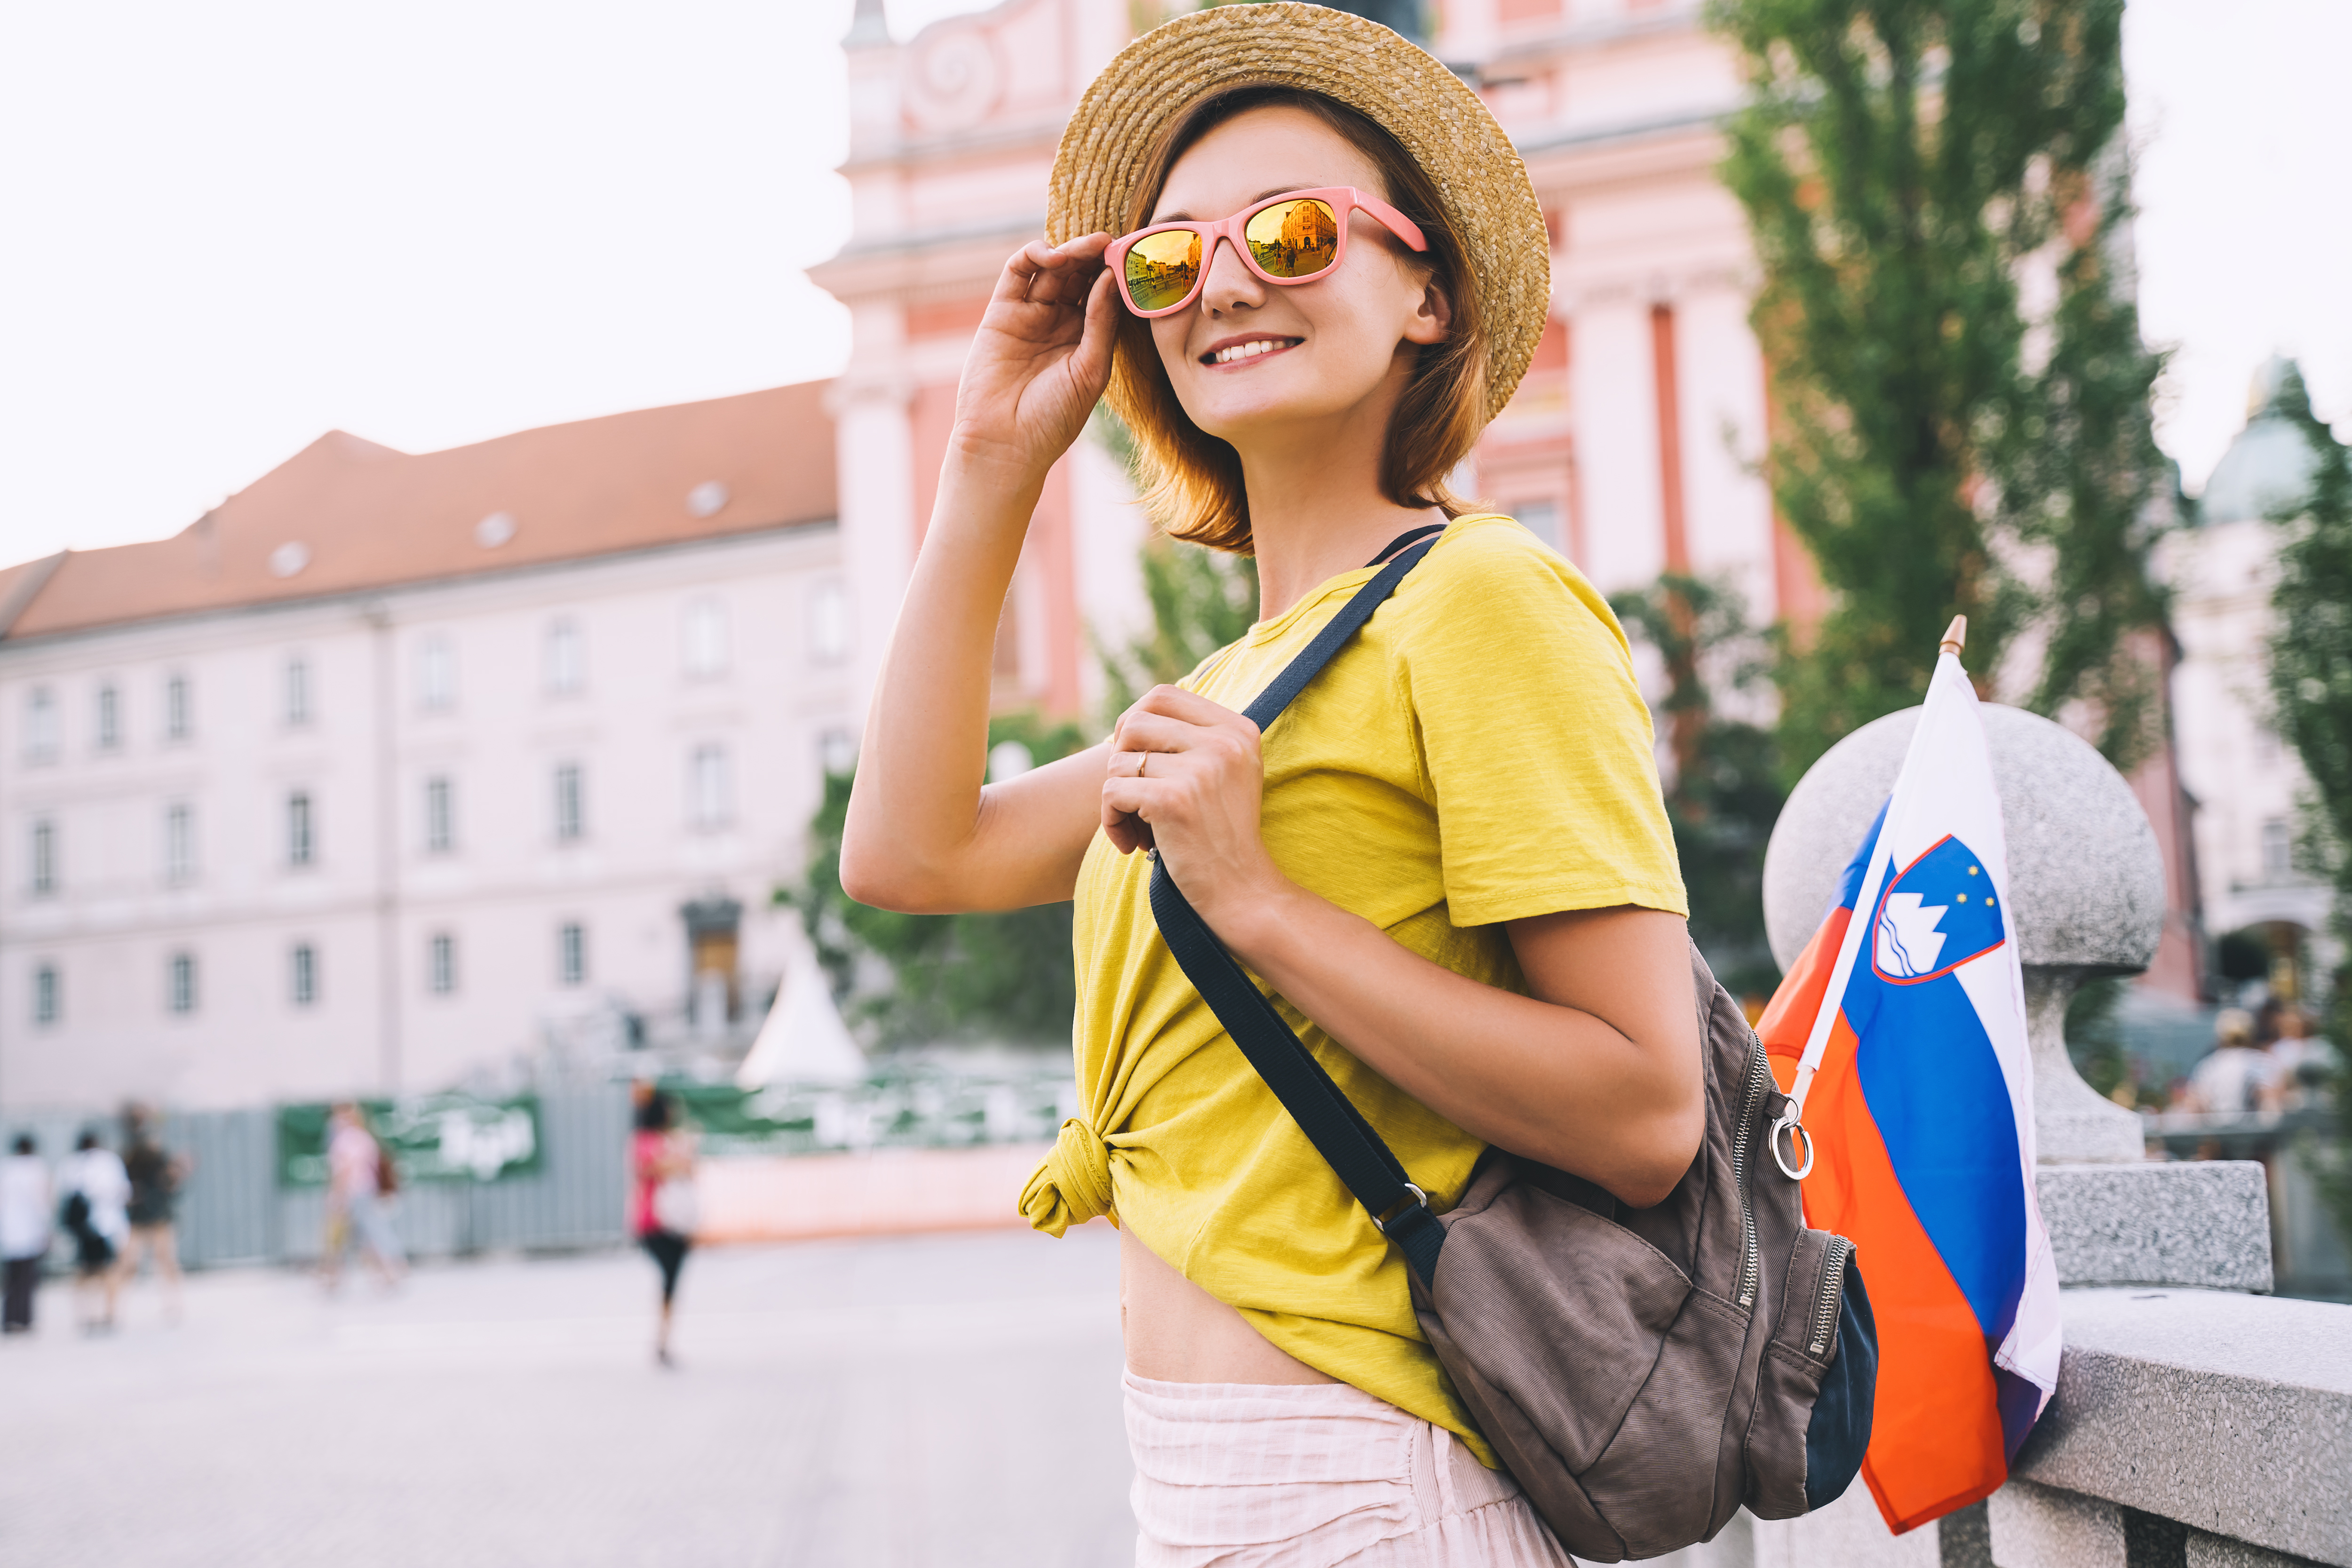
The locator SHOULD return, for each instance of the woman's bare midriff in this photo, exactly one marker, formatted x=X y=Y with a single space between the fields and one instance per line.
x=1178 y=1332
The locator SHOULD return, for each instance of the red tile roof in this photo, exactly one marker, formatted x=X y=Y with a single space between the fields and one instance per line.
x=349 y=516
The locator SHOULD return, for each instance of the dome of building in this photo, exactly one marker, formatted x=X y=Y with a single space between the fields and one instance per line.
x=2270 y=465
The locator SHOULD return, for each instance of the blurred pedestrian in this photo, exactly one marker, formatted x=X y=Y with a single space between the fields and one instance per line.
x=156 y=1176
x=24 y=1232
x=662 y=1156
x=2301 y=1063
x=2236 y=1078
x=361 y=1179
x=96 y=1213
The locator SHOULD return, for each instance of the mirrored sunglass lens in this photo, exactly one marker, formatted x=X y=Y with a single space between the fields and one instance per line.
x=1161 y=268
x=1295 y=239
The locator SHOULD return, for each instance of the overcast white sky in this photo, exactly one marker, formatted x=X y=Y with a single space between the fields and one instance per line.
x=234 y=225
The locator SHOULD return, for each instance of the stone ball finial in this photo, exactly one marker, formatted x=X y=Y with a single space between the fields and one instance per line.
x=2085 y=877
x=2086 y=886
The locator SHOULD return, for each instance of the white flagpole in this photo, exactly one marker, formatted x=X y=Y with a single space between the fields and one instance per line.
x=1866 y=906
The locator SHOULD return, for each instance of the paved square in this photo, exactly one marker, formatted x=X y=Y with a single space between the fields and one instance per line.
x=903 y=1403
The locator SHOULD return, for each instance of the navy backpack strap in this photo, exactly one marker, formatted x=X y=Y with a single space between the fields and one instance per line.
x=1410 y=536
x=1322 y=1110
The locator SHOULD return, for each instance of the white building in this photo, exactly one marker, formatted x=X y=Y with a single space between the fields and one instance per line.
x=2245 y=778
x=392 y=766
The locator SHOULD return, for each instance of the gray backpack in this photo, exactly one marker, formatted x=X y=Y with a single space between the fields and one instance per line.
x=1644 y=1373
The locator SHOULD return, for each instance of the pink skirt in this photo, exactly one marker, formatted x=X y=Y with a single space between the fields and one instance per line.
x=1232 y=1475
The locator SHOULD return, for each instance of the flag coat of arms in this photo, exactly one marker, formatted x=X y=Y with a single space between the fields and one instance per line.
x=1900 y=1033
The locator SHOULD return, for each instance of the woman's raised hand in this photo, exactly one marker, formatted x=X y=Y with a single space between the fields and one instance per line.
x=1185 y=777
x=1040 y=358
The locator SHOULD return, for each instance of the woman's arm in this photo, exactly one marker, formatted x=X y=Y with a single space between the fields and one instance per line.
x=926 y=832
x=1598 y=1072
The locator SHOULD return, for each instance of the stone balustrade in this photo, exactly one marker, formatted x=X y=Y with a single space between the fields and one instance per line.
x=2211 y=1419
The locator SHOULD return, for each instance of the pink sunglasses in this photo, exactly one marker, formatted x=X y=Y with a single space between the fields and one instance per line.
x=1294 y=237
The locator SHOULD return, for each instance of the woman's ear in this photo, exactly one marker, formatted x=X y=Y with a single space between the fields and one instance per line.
x=1433 y=317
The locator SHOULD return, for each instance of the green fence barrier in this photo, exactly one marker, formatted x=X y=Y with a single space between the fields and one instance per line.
x=431 y=1138
x=916 y=1108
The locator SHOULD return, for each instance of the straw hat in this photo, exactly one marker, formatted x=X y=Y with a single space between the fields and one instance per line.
x=1404 y=90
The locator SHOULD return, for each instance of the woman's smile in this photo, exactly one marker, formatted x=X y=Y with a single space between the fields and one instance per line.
x=1246 y=350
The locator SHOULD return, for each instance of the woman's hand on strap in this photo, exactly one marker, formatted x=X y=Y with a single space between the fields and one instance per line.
x=1040 y=358
x=1595 y=1068
x=1184 y=776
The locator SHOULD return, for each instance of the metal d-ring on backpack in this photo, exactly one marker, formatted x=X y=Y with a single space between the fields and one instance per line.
x=1644 y=1373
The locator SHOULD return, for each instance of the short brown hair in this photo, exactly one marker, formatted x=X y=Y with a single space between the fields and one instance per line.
x=1192 y=480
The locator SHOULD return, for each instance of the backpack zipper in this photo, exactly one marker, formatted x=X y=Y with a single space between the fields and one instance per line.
x=1825 y=1309
x=1759 y=1073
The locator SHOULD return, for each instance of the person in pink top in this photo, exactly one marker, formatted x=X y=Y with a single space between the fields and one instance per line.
x=359 y=1183
x=661 y=1156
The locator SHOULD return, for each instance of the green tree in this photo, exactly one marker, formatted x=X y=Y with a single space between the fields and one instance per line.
x=1725 y=793
x=2311 y=686
x=1201 y=600
x=1904 y=166
x=905 y=979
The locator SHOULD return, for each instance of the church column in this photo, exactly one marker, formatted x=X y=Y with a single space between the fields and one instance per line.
x=1614 y=412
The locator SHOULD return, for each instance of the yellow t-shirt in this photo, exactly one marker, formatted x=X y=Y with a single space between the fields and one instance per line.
x=1478 y=753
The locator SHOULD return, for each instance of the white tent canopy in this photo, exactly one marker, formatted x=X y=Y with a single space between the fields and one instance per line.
x=803 y=1040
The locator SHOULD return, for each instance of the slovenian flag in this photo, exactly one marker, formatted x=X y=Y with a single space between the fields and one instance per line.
x=1916 y=1091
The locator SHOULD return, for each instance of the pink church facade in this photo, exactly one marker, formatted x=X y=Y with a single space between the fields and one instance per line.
x=1632 y=446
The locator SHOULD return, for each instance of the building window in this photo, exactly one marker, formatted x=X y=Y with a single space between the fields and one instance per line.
x=571 y=820
x=829 y=623
x=441 y=964
x=572 y=953
x=436 y=674
x=706 y=639
x=440 y=817
x=109 y=717
x=179 y=720
x=302 y=974
x=301 y=840
x=2278 y=850
x=567 y=660
x=298 y=693
x=708 y=797
x=46 y=1004
x=45 y=857
x=40 y=726
x=181 y=983
x=179 y=843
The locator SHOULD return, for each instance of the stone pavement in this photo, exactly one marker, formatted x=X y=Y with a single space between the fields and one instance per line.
x=899 y=1404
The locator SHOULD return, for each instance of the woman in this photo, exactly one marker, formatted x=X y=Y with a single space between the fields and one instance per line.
x=95 y=1210
x=1448 y=860
x=24 y=1232
x=361 y=1180
x=156 y=1176
x=661 y=1155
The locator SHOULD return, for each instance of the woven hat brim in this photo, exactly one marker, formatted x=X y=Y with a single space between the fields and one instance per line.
x=1373 y=69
